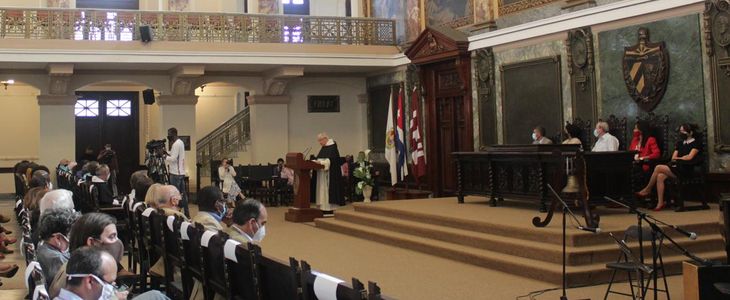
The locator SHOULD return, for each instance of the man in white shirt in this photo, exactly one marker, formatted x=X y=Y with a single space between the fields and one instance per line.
x=605 y=141
x=176 y=166
x=91 y=272
x=538 y=136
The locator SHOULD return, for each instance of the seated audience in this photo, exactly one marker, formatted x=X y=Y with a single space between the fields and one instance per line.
x=53 y=248
x=572 y=134
x=687 y=155
x=141 y=189
x=249 y=222
x=101 y=188
x=91 y=276
x=644 y=143
x=605 y=141
x=168 y=199
x=151 y=195
x=212 y=208
x=227 y=175
x=538 y=136
x=57 y=199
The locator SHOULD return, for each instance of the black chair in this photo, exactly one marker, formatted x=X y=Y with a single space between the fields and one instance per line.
x=144 y=244
x=171 y=251
x=374 y=292
x=134 y=230
x=344 y=291
x=216 y=279
x=278 y=280
x=626 y=262
x=190 y=234
x=36 y=283
x=242 y=270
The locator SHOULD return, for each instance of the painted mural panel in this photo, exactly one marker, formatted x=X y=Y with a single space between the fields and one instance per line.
x=268 y=6
x=58 y=3
x=413 y=19
x=482 y=11
x=179 y=5
x=390 y=9
x=452 y=13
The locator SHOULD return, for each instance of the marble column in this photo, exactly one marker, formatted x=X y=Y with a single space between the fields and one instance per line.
x=269 y=128
x=57 y=129
x=179 y=111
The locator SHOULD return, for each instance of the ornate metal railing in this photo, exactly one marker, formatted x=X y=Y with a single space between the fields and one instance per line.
x=225 y=141
x=94 y=24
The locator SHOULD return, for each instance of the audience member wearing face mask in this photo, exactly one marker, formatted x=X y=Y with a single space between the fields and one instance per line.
x=249 y=222
x=53 y=250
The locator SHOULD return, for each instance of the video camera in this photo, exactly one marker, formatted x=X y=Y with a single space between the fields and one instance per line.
x=156 y=147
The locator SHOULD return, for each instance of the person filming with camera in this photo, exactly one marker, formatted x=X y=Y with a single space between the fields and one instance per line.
x=175 y=160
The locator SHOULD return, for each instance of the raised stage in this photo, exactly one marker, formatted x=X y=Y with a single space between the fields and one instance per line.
x=503 y=238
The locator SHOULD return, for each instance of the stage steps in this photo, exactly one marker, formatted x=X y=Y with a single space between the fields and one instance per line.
x=515 y=250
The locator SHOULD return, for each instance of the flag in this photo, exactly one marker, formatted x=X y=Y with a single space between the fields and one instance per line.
x=417 y=154
x=390 y=152
x=400 y=138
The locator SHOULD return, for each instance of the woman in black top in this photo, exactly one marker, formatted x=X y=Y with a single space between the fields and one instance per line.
x=685 y=158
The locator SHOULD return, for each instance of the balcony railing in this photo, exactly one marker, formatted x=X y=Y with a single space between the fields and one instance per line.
x=225 y=141
x=92 y=24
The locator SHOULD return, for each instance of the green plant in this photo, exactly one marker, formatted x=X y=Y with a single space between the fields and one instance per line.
x=362 y=172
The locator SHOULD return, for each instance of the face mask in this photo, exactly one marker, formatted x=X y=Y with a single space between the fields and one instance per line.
x=50 y=186
x=224 y=210
x=595 y=132
x=683 y=135
x=116 y=249
x=534 y=136
x=260 y=234
x=107 y=289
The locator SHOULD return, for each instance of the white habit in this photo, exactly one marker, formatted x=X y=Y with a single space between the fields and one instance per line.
x=323 y=185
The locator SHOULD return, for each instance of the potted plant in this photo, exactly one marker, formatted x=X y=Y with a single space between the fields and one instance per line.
x=362 y=172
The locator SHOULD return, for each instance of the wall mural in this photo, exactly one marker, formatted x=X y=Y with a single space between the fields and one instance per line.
x=482 y=11
x=179 y=5
x=58 y=3
x=413 y=19
x=268 y=7
x=512 y=6
x=453 y=13
x=390 y=9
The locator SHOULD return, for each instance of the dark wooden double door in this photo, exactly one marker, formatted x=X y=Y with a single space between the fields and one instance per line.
x=449 y=124
x=113 y=119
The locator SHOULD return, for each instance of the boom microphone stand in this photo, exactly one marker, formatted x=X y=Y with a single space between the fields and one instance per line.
x=580 y=227
x=652 y=221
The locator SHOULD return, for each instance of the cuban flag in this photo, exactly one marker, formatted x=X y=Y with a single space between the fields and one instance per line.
x=390 y=149
x=400 y=145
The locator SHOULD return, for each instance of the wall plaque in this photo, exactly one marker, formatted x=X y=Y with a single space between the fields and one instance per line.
x=646 y=71
x=323 y=104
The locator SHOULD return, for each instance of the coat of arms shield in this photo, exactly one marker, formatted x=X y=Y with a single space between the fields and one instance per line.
x=646 y=71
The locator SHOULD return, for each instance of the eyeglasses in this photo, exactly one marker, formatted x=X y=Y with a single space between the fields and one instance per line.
x=99 y=280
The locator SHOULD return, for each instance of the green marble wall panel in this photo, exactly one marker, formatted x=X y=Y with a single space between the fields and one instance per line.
x=684 y=100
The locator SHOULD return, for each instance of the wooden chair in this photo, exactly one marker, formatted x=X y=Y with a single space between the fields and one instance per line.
x=212 y=244
x=36 y=282
x=586 y=132
x=134 y=230
x=143 y=243
x=190 y=234
x=277 y=279
x=172 y=252
x=344 y=291
x=152 y=231
x=241 y=267
x=374 y=292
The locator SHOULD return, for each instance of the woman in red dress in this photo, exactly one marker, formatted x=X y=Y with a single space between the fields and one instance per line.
x=645 y=144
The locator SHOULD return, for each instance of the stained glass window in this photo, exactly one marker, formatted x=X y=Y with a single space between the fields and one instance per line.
x=118 y=108
x=86 y=108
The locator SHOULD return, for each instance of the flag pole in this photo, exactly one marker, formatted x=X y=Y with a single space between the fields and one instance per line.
x=403 y=91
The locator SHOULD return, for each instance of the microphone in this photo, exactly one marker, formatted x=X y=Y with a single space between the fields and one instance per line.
x=689 y=234
x=590 y=229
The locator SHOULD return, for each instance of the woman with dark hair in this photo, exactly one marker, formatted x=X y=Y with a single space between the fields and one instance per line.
x=644 y=143
x=573 y=135
x=686 y=156
x=53 y=250
x=227 y=174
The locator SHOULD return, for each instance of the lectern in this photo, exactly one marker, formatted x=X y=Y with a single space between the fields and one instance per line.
x=301 y=212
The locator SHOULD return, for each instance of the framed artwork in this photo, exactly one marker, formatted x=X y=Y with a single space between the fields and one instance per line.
x=178 y=5
x=186 y=141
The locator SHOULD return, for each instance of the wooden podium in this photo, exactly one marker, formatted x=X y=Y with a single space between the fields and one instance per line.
x=301 y=212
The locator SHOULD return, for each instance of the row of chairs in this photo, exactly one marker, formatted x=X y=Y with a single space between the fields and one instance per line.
x=225 y=267
x=33 y=277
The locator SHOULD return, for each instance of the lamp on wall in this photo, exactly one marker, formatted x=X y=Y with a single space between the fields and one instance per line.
x=7 y=82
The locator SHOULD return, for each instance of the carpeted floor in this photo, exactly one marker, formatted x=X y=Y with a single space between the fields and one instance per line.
x=401 y=273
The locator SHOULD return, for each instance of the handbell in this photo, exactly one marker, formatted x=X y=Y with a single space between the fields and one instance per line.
x=572 y=185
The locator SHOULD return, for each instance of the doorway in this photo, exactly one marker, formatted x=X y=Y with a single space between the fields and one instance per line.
x=110 y=118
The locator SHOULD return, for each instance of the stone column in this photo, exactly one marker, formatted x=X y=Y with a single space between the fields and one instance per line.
x=179 y=112
x=269 y=128
x=57 y=129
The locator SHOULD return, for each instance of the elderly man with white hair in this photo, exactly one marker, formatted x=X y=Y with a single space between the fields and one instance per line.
x=62 y=199
x=605 y=141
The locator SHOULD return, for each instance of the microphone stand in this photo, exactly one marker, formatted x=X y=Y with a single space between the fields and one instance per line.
x=652 y=221
x=565 y=210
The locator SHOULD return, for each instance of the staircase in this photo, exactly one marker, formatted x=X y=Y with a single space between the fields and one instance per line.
x=498 y=245
x=228 y=140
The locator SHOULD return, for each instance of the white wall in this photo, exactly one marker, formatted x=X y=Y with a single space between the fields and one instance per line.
x=19 y=134
x=216 y=104
x=347 y=127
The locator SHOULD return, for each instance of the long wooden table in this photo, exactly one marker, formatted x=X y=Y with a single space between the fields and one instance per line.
x=524 y=172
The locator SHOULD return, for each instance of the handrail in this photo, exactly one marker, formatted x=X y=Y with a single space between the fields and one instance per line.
x=226 y=140
x=123 y=25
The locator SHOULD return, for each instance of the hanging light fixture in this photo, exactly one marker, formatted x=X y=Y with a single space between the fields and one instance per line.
x=7 y=82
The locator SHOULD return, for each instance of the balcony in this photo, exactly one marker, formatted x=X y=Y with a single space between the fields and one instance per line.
x=123 y=25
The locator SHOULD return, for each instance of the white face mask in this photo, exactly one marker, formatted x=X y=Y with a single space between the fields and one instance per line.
x=107 y=289
x=595 y=132
x=534 y=136
x=260 y=234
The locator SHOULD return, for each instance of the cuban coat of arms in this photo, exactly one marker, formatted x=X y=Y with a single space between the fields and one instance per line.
x=646 y=71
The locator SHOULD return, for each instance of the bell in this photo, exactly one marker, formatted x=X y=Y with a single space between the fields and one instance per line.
x=572 y=185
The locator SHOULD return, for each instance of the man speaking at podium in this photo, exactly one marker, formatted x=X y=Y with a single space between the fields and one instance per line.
x=329 y=179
